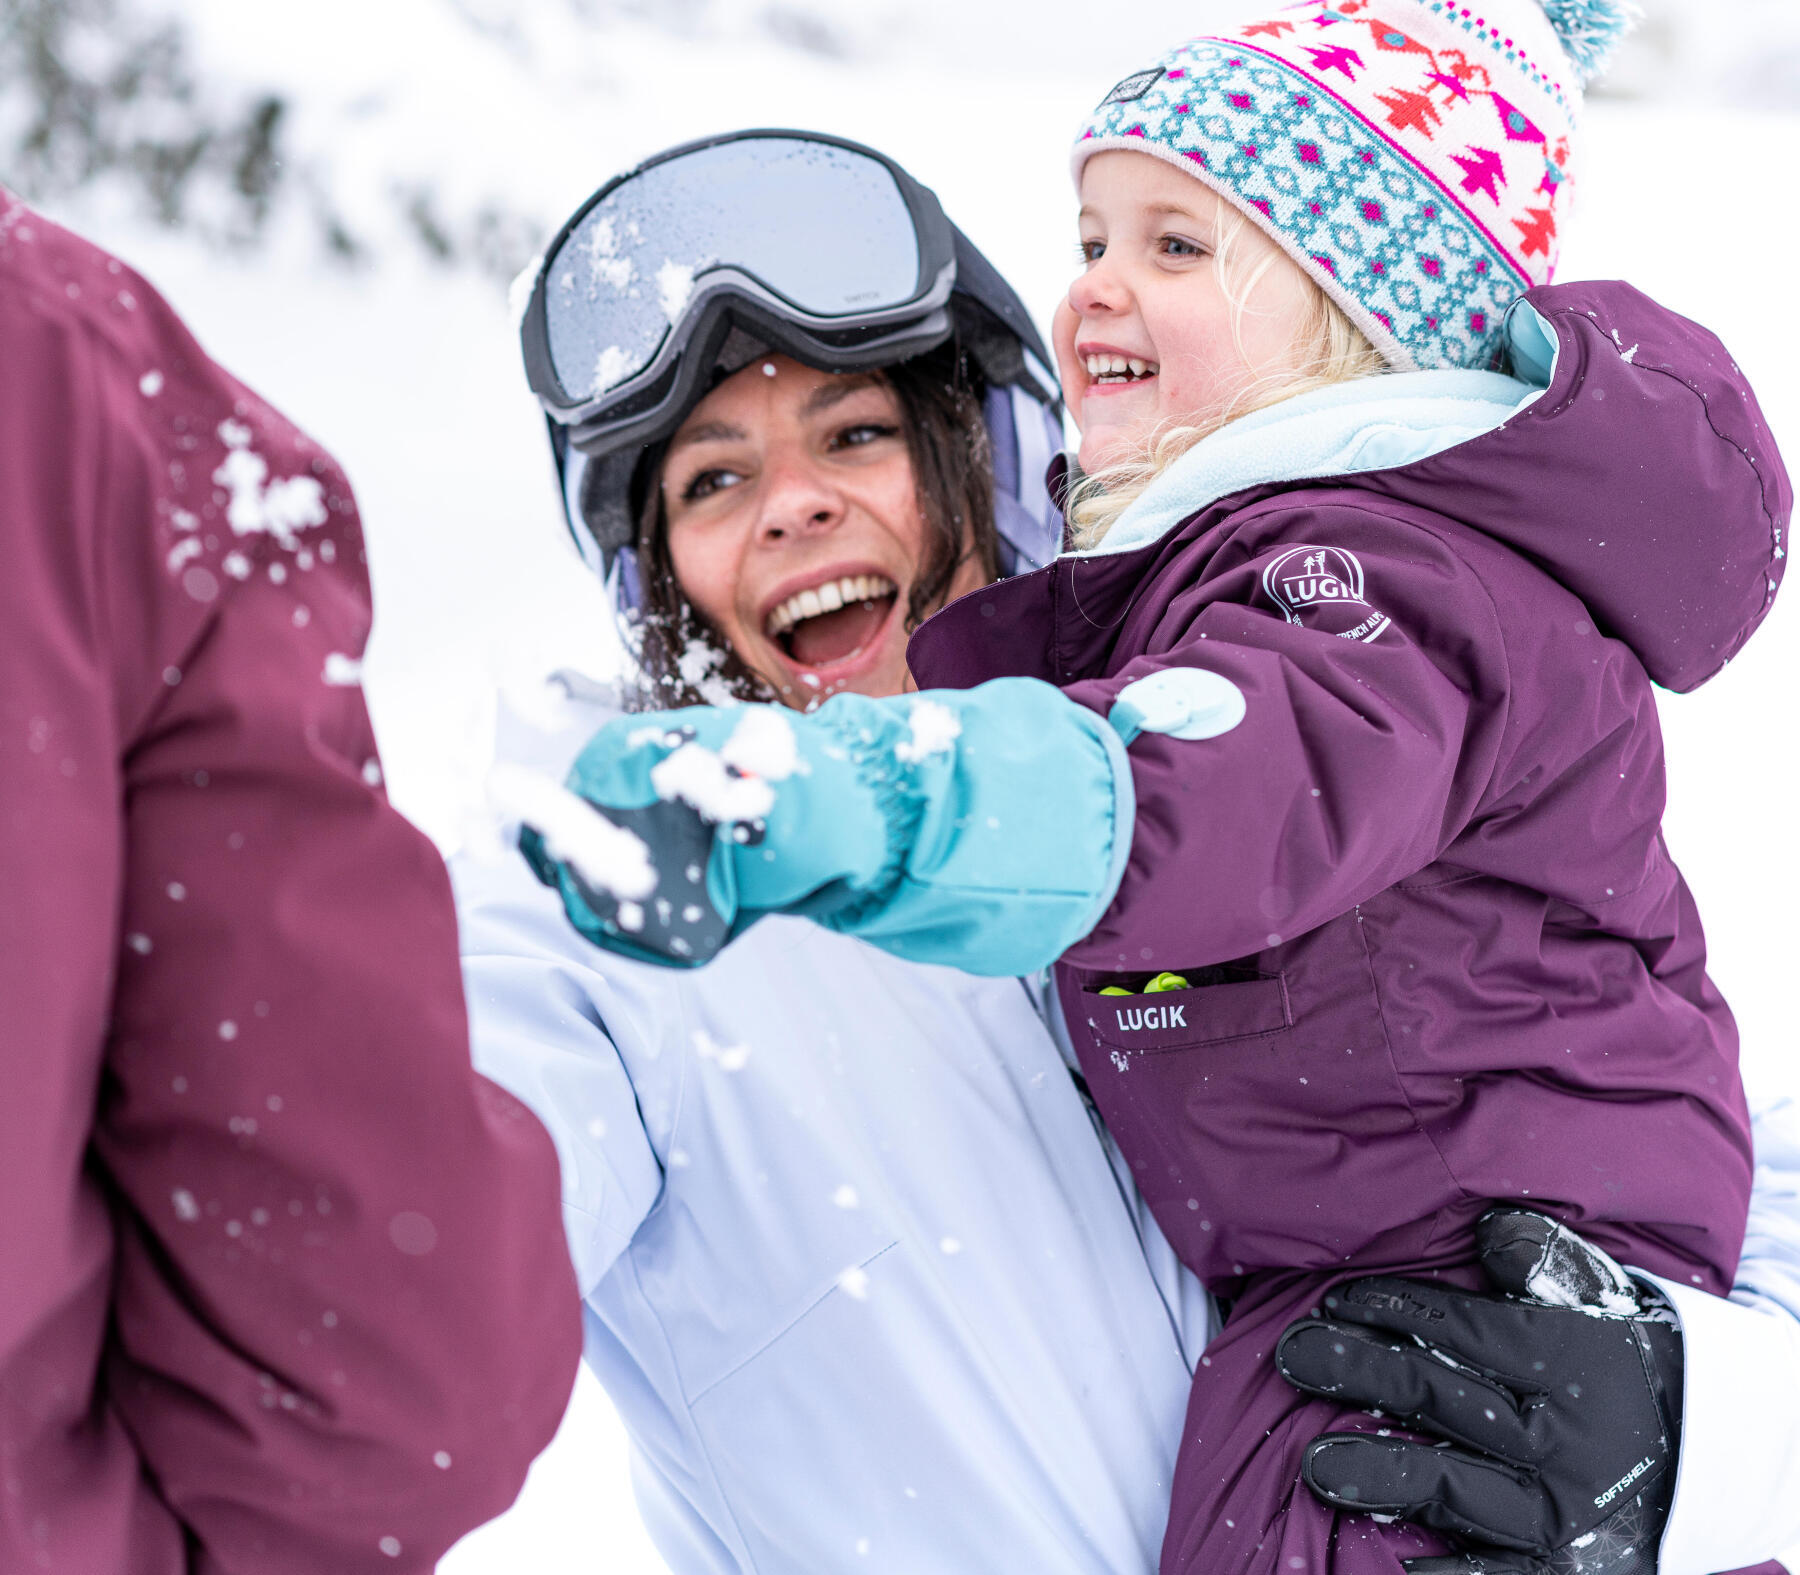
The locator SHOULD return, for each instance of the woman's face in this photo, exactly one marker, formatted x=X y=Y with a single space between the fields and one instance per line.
x=795 y=529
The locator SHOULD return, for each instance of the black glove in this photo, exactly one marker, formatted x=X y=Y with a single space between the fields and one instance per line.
x=1564 y=1395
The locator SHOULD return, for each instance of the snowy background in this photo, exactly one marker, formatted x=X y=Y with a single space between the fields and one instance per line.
x=335 y=195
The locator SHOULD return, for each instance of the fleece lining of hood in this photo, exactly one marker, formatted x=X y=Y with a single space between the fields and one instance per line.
x=1379 y=423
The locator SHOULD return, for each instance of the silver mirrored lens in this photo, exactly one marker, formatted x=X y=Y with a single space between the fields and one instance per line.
x=822 y=227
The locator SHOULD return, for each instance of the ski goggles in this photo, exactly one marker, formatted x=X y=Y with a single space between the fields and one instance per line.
x=805 y=242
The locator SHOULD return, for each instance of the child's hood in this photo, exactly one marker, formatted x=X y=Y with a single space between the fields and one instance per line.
x=1628 y=459
x=1644 y=479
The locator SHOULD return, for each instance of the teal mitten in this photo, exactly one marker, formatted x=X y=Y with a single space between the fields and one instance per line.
x=985 y=828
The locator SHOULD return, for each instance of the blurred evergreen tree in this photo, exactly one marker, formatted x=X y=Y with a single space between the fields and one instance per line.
x=90 y=93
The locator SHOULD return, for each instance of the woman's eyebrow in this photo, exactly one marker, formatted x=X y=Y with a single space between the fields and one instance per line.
x=838 y=389
x=708 y=432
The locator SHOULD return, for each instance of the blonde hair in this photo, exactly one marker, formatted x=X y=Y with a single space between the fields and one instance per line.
x=1330 y=349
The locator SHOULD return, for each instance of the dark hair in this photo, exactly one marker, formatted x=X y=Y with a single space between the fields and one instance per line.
x=683 y=660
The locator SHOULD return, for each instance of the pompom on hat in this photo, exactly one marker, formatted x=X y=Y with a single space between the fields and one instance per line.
x=1415 y=157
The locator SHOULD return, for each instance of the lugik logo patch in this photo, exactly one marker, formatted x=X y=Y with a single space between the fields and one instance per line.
x=1308 y=581
x=1137 y=1019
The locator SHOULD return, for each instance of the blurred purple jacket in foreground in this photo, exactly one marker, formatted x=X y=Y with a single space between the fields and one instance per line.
x=1440 y=953
x=282 y=1282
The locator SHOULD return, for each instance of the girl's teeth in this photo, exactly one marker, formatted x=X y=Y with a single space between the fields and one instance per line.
x=1118 y=366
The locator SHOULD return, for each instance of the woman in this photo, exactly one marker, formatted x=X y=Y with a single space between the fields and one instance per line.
x=861 y=1271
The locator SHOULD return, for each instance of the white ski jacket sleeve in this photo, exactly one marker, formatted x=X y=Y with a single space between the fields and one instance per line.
x=1737 y=1498
x=534 y=1028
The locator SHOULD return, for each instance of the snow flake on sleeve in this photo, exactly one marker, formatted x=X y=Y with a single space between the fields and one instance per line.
x=341 y=671
x=854 y=1282
x=279 y=508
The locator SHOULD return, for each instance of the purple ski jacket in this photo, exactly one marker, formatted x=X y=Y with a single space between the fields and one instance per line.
x=1439 y=952
x=283 y=1288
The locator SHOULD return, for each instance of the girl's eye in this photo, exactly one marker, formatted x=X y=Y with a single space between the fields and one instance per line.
x=1089 y=251
x=863 y=433
x=707 y=482
x=1177 y=246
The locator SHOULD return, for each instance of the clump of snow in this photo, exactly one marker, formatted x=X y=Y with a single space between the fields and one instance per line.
x=341 y=671
x=935 y=728
x=699 y=665
x=845 y=1197
x=614 y=366
x=605 y=856
x=150 y=384
x=763 y=744
x=186 y=1209
x=674 y=287
x=278 y=508
x=1576 y=1275
x=696 y=776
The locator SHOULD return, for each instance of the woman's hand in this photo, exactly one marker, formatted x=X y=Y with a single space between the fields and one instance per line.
x=1559 y=1399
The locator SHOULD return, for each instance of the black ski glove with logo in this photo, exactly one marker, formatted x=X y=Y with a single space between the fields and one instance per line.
x=1558 y=1400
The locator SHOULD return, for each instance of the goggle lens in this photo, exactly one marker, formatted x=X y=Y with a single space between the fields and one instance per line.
x=822 y=227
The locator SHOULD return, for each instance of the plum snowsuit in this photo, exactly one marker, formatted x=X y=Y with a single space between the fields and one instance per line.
x=1439 y=953
x=283 y=1286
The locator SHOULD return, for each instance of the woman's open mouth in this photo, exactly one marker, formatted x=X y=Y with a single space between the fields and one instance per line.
x=830 y=623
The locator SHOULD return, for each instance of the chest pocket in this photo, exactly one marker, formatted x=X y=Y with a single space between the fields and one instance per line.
x=1261 y=1110
x=1225 y=1004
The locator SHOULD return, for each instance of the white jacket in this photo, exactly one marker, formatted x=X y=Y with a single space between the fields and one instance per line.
x=870 y=1288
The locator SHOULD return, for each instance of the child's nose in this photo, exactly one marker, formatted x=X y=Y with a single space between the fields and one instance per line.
x=1099 y=289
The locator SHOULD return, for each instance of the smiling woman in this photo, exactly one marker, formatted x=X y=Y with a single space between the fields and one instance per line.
x=809 y=520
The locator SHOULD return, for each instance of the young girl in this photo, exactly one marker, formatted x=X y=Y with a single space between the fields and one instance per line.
x=1338 y=711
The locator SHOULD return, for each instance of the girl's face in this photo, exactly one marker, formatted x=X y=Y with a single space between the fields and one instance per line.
x=1146 y=336
x=795 y=529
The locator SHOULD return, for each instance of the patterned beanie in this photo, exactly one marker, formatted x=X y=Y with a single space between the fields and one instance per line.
x=1415 y=157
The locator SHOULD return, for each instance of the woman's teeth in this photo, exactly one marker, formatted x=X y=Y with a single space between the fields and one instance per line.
x=828 y=598
x=1118 y=368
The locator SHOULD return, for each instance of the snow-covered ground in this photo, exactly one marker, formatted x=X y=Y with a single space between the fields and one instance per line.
x=411 y=375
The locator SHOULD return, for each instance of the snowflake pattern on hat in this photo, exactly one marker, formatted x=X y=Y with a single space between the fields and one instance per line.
x=1413 y=156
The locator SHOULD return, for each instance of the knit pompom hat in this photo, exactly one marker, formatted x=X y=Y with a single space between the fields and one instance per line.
x=1415 y=157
